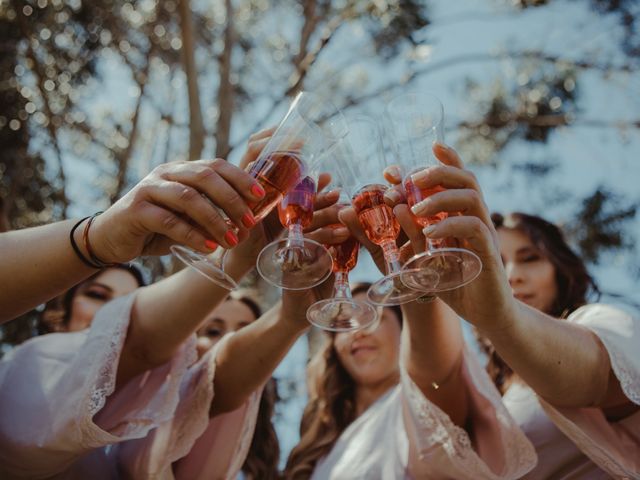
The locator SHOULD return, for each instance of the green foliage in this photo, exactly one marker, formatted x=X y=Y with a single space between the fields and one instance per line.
x=599 y=225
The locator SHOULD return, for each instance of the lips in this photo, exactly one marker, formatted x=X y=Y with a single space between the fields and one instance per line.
x=524 y=297
x=362 y=347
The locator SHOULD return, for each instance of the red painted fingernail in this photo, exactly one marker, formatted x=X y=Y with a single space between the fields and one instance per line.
x=210 y=244
x=257 y=190
x=231 y=238
x=248 y=220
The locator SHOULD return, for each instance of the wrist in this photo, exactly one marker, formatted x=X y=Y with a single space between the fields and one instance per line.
x=99 y=243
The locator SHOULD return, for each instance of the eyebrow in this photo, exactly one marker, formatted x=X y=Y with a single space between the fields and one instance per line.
x=101 y=285
x=527 y=249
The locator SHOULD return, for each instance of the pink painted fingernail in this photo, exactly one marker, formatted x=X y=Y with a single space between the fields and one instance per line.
x=248 y=220
x=257 y=190
x=210 y=244
x=231 y=238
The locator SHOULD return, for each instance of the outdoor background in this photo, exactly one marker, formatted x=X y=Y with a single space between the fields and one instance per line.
x=542 y=100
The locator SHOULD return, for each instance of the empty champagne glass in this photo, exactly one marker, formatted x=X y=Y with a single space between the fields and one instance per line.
x=360 y=163
x=416 y=122
x=341 y=312
x=311 y=128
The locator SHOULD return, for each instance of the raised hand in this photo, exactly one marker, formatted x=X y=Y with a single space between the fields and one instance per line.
x=178 y=202
x=487 y=301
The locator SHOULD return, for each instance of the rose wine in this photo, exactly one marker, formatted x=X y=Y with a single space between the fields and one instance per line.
x=277 y=173
x=416 y=194
x=345 y=254
x=297 y=205
x=375 y=216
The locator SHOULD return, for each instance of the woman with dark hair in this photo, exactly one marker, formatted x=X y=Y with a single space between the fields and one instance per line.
x=568 y=372
x=74 y=310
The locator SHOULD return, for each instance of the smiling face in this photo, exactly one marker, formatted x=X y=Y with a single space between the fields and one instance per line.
x=92 y=295
x=531 y=275
x=371 y=357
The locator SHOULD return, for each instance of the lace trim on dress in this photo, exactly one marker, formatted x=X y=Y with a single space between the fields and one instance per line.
x=246 y=436
x=437 y=428
x=598 y=318
x=102 y=353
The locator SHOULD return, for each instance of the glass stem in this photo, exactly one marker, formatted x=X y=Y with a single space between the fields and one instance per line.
x=341 y=285
x=295 y=238
x=391 y=256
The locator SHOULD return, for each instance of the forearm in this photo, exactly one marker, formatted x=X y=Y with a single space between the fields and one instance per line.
x=36 y=265
x=435 y=354
x=249 y=357
x=562 y=362
x=165 y=315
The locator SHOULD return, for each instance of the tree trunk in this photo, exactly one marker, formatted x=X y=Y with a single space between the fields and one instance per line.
x=196 y=126
x=225 y=89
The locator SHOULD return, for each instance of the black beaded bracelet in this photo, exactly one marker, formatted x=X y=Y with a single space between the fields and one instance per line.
x=76 y=249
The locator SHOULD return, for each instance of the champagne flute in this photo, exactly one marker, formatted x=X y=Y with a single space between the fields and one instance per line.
x=341 y=312
x=296 y=145
x=360 y=164
x=416 y=121
x=295 y=262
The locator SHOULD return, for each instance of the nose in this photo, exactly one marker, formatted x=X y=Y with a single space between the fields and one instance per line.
x=514 y=273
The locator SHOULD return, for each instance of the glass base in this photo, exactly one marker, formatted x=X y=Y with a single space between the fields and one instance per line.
x=454 y=267
x=341 y=314
x=208 y=266
x=294 y=267
x=390 y=290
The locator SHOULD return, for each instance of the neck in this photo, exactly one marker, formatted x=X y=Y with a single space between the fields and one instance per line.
x=367 y=394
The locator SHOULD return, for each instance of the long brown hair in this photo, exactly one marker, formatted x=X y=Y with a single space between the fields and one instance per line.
x=331 y=407
x=574 y=284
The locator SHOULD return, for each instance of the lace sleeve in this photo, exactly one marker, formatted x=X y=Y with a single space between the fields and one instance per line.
x=613 y=446
x=442 y=449
x=190 y=443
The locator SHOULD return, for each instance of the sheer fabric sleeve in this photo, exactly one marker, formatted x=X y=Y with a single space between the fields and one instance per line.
x=498 y=449
x=58 y=398
x=613 y=446
x=191 y=445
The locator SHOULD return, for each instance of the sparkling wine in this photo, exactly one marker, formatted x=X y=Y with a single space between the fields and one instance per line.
x=277 y=173
x=375 y=216
x=345 y=254
x=416 y=194
x=297 y=205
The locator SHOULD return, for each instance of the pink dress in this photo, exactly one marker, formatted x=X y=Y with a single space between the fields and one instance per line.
x=60 y=417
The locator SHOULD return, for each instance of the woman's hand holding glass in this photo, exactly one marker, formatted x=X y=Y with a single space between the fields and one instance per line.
x=416 y=121
x=169 y=207
x=309 y=130
x=359 y=162
x=486 y=302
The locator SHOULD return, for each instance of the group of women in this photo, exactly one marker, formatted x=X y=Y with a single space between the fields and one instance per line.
x=143 y=381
